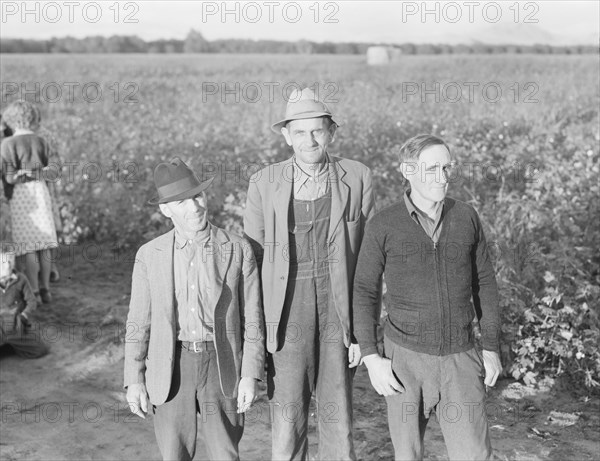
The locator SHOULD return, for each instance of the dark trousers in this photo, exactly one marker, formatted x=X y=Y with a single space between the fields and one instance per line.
x=26 y=344
x=195 y=388
x=452 y=387
x=313 y=359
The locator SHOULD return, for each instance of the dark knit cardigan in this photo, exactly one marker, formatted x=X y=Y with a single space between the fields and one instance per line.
x=434 y=291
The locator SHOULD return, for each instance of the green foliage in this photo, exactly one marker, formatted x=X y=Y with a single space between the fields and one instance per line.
x=553 y=337
x=551 y=296
x=196 y=43
x=530 y=168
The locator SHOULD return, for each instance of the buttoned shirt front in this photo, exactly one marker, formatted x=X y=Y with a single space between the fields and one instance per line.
x=192 y=287
x=432 y=227
x=310 y=185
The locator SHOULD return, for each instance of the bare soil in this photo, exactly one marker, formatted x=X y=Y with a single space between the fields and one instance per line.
x=70 y=404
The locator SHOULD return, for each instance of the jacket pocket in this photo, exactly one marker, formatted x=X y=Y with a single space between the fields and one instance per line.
x=477 y=357
x=301 y=228
x=299 y=243
x=353 y=224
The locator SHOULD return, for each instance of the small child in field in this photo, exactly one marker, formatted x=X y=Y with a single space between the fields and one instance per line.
x=17 y=302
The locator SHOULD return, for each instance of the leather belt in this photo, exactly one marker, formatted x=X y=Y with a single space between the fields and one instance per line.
x=196 y=346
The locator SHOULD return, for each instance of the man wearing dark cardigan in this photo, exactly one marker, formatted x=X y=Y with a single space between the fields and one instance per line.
x=433 y=254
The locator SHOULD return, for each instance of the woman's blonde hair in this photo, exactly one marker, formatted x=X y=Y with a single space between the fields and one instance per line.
x=22 y=115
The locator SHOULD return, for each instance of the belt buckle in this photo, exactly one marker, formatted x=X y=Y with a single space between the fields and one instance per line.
x=194 y=346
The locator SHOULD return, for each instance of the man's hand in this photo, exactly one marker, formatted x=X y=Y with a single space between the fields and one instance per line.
x=137 y=398
x=247 y=391
x=493 y=367
x=353 y=355
x=381 y=375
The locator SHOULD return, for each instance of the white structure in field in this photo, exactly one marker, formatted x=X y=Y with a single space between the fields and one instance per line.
x=382 y=55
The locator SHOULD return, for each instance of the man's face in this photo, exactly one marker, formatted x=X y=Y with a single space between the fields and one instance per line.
x=7 y=264
x=189 y=216
x=428 y=175
x=309 y=138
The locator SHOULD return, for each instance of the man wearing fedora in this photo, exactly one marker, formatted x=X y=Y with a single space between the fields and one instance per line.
x=194 y=338
x=305 y=218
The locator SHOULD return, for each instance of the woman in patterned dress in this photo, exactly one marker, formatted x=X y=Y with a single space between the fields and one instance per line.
x=24 y=160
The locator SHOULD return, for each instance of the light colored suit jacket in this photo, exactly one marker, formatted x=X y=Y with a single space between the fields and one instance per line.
x=234 y=297
x=266 y=227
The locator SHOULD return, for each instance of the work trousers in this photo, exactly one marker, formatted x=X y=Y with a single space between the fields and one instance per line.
x=449 y=385
x=312 y=356
x=196 y=389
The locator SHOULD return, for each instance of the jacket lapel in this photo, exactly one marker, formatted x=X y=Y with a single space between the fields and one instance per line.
x=339 y=195
x=281 y=200
x=164 y=254
x=217 y=264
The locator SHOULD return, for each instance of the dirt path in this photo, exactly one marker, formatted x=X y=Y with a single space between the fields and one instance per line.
x=69 y=405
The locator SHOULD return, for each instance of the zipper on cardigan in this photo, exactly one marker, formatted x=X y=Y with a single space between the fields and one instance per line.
x=437 y=273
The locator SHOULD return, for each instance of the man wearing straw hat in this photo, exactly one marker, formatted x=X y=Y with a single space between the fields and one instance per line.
x=194 y=338
x=305 y=219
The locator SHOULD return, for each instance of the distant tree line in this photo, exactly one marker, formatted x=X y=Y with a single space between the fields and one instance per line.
x=196 y=43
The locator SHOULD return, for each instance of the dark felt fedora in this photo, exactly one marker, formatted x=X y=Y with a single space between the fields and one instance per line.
x=174 y=180
x=301 y=105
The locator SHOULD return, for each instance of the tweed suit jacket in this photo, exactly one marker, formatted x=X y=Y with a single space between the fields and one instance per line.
x=266 y=227
x=234 y=297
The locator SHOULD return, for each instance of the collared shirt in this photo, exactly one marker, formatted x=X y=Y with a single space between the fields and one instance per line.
x=310 y=185
x=16 y=295
x=432 y=227
x=194 y=321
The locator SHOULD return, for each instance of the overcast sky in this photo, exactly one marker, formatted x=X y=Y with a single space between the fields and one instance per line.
x=555 y=22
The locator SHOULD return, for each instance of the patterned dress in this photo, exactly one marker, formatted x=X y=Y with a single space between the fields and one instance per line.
x=32 y=219
x=53 y=179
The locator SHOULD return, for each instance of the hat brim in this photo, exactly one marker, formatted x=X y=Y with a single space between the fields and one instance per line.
x=184 y=195
x=276 y=127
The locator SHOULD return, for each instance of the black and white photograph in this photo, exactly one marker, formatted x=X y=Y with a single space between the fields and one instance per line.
x=300 y=230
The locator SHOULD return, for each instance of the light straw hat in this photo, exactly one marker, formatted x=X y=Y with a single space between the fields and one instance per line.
x=301 y=105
